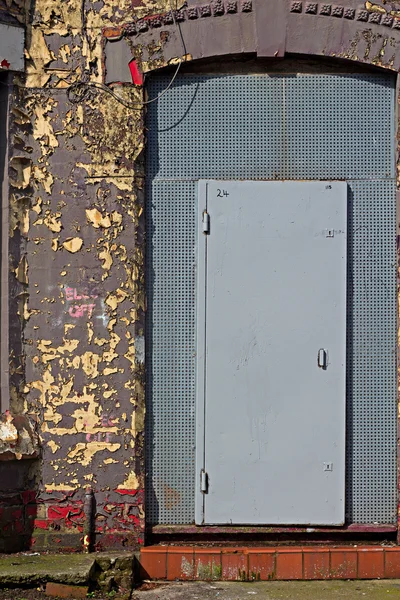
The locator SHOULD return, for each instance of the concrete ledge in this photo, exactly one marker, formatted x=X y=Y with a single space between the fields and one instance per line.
x=31 y=569
x=266 y=563
x=106 y=570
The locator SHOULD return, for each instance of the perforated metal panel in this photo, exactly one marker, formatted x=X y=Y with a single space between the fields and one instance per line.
x=260 y=127
x=224 y=127
x=170 y=352
x=371 y=355
x=332 y=129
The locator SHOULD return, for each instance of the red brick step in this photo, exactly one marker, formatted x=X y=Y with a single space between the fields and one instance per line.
x=277 y=563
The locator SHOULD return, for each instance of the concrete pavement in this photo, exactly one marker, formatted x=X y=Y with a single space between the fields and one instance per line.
x=274 y=590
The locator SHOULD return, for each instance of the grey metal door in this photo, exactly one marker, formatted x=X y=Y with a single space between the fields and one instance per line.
x=271 y=352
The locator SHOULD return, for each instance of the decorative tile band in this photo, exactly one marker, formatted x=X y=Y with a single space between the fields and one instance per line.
x=222 y=7
x=338 y=11
x=214 y=9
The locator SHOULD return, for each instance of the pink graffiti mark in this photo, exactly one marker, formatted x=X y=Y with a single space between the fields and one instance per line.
x=75 y=294
x=107 y=421
x=79 y=310
x=102 y=436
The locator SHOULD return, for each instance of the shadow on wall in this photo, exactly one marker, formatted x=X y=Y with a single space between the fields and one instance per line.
x=18 y=508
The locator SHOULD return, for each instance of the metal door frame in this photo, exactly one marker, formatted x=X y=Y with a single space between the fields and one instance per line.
x=350 y=528
x=201 y=350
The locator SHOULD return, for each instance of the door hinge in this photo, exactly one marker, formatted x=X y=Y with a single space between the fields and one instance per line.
x=203 y=481
x=206 y=222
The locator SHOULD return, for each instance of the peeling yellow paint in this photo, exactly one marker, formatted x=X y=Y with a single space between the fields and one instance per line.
x=59 y=487
x=43 y=129
x=109 y=371
x=65 y=53
x=8 y=431
x=85 y=452
x=21 y=171
x=374 y=7
x=38 y=206
x=90 y=362
x=115 y=298
x=53 y=222
x=130 y=483
x=23 y=311
x=96 y=218
x=130 y=354
x=73 y=244
x=116 y=217
x=44 y=178
x=79 y=371
x=21 y=271
x=53 y=446
x=48 y=353
x=90 y=332
x=111 y=324
x=138 y=416
x=105 y=256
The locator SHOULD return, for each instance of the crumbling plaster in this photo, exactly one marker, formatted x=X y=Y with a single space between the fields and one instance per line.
x=76 y=269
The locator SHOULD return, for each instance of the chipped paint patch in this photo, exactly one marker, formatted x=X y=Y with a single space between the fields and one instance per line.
x=85 y=452
x=73 y=244
x=8 y=432
x=130 y=483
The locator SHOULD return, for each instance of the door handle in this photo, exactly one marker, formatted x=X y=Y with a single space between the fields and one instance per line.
x=322 y=358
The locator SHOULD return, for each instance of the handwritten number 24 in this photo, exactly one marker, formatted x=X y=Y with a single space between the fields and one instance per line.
x=222 y=193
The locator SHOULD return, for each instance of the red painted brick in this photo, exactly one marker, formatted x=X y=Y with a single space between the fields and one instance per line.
x=392 y=563
x=125 y=492
x=19 y=525
x=370 y=563
x=289 y=564
x=10 y=500
x=316 y=563
x=343 y=564
x=17 y=513
x=207 y=563
x=41 y=524
x=180 y=563
x=235 y=564
x=153 y=563
x=31 y=510
x=58 y=512
x=28 y=496
x=70 y=515
x=261 y=564
x=61 y=590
